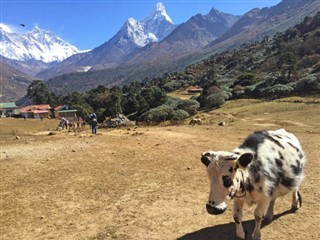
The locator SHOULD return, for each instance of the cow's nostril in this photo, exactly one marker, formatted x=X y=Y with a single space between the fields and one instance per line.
x=214 y=210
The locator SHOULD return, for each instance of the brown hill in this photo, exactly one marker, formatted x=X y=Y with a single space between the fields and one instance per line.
x=13 y=83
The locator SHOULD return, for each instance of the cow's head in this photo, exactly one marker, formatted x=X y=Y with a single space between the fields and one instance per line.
x=224 y=171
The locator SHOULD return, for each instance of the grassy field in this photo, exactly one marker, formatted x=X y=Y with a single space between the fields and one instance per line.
x=144 y=182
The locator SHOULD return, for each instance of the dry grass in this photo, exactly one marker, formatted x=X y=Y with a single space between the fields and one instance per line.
x=145 y=182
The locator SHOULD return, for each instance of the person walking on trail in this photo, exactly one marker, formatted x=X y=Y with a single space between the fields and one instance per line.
x=94 y=124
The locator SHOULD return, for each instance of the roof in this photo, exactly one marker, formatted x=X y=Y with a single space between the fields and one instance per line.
x=65 y=108
x=57 y=107
x=8 y=105
x=40 y=111
x=32 y=108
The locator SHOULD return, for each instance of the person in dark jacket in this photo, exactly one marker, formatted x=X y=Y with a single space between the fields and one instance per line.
x=94 y=124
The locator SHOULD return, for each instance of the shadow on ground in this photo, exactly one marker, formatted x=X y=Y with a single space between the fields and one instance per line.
x=226 y=231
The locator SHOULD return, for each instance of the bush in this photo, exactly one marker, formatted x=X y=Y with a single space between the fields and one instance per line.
x=158 y=114
x=190 y=106
x=278 y=90
x=215 y=100
x=171 y=86
x=246 y=79
x=308 y=84
x=179 y=115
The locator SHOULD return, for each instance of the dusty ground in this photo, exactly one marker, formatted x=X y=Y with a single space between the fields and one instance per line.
x=144 y=182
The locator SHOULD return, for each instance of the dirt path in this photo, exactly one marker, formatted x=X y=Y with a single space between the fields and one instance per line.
x=138 y=183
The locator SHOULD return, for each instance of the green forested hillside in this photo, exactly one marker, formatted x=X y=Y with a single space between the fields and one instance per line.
x=288 y=63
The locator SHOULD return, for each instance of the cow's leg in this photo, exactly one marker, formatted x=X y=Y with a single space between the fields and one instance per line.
x=296 y=200
x=258 y=216
x=269 y=214
x=237 y=216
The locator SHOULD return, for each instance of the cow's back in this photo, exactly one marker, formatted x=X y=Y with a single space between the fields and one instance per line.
x=278 y=162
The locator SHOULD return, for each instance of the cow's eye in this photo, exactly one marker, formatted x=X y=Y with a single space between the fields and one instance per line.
x=227 y=181
x=231 y=169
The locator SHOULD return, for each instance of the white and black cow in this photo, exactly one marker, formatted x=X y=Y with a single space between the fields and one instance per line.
x=268 y=164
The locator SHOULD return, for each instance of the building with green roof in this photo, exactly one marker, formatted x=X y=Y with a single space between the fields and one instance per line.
x=7 y=109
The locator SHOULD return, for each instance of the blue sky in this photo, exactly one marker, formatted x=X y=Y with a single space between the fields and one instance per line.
x=87 y=24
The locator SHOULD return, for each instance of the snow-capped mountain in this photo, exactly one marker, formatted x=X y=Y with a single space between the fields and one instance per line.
x=132 y=36
x=153 y=28
x=37 y=44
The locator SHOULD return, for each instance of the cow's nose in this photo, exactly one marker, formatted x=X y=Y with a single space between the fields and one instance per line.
x=214 y=210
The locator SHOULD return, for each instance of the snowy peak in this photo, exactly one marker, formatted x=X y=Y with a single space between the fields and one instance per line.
x=5 y=28
x=153 y=28
x=37 y=44
x=159 y=12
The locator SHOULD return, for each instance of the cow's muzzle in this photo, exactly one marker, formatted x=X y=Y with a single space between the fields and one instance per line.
x=214 y=210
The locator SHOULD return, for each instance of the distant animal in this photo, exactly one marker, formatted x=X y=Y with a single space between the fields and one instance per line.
x=195 y=121
x=22 y=25
x=222 y=123
x=268 y=164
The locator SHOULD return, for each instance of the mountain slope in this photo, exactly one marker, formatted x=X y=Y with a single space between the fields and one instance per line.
x=196 y=33
x=250 y=28
x=259 y=23
x=37 y=44
x=14 y=84
x=131 y=36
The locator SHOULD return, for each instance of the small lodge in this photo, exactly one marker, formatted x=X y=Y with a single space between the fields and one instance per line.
x=7 y=109
x=36 y=111
x=66 y=112
x=195 y=89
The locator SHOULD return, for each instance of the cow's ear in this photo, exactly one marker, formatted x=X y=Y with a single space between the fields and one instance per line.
x=245 y=159
x=205 y=160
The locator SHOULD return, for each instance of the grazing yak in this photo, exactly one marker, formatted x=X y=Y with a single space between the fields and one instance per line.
x=268 y=164
x=195 y=121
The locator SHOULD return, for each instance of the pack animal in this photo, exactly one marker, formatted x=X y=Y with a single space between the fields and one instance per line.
x=268 y=164
x=195 y=121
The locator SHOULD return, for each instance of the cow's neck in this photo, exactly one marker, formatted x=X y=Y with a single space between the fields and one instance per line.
x=241 y=178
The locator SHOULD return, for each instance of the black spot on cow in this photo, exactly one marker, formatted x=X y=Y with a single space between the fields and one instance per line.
x=280 y=155
x=254 y=169
x=297 y=149
x=296 y=169
x=254 y=140
x=242 y=188
x=287 y=182
x=270 y=138
x=227 y=181
x=279 y=162
x=249 y=187
x=231 y=169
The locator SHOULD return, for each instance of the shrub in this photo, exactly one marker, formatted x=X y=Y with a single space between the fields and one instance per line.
x=171 y=86
x=190 y=106
x=179 y=115
x=308 y=84
x=278 y=90
x=246 y=79
x=158 y=114
x=215 y=100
